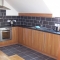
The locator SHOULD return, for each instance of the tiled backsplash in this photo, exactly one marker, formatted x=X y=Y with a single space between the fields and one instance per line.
x=3 y=20
x=2 y=12
x=41 y=21
x=28 y=20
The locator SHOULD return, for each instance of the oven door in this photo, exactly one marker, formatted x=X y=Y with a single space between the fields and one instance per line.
x=6 y=35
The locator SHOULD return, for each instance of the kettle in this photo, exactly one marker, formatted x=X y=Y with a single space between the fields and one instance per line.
x=57 y=29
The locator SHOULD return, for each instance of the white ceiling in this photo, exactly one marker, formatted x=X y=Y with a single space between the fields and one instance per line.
x=12 y=11
x=29 y=6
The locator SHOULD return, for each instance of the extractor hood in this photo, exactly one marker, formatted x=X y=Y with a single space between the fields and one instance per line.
x=2 y=7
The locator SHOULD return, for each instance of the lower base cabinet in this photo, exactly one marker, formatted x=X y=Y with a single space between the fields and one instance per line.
x=51 y=44
x=20 y=35
x=14 y=39
x=41 y=41
x=46 y=43
x=55 y=45
x=37 y=40
x=15 y=35
x=27 y=37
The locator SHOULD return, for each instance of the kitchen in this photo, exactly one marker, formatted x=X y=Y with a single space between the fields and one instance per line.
x=28 y=34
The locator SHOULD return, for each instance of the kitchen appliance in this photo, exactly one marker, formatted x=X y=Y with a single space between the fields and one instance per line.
x=57 y=29
x=2 y=7
x=5 y=33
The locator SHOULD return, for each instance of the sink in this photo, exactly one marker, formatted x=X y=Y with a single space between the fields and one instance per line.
x=37 y=26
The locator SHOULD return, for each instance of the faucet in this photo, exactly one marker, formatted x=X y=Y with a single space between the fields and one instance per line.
x=41 y=24
x=11 y=21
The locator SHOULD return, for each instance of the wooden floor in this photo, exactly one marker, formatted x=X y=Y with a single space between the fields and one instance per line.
x=3 y=56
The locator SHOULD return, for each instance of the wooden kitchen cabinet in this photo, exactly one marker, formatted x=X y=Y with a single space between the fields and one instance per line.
x=15 y=35
x=24 y=36
x=51 y=44
x=47 y=44
x=14 y=39
x=55 y=44
x=35 y=39
x=38 y=40
x=41 y=40
x=58 y=55
x=20 y=35
x=27 y=37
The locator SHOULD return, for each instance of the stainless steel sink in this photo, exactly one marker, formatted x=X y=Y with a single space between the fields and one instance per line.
x=36 y=27
x=41 y=28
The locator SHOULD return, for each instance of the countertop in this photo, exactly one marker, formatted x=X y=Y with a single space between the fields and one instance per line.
x=39 y=29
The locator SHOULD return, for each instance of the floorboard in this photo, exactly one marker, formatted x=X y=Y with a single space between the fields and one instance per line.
x=15 y=57
x=3 y=56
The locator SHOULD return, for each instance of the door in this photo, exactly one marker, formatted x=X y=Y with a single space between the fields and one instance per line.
x=35 y=39
x=55 y=45
x=47 y=43
x=58 y=53
x=27 y=37
x=24 y=36
x=41 y=40
x=15 y=35
x=51 y=44
x=20 y=35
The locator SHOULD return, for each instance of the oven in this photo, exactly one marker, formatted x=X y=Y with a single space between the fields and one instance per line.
x=5 y=34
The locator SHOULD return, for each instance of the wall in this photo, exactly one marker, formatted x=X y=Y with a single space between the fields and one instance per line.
x=2 y=12
x=4 y=23
x=29 y=21
x=29 y=6
x=11 y=12
x=36 y=6
x=44 y=21
x=54 y=7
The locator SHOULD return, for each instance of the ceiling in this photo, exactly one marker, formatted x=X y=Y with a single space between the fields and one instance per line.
x=29 y=6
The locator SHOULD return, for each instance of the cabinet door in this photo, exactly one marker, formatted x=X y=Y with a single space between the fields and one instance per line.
x=55 y=45
x=20 y=35
x=24 y=36
x=47 y=43
x=58 y=55
x=51 y=44
x=41 y=40
x=27 y=37
x=35 y=39
x=15 y=35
